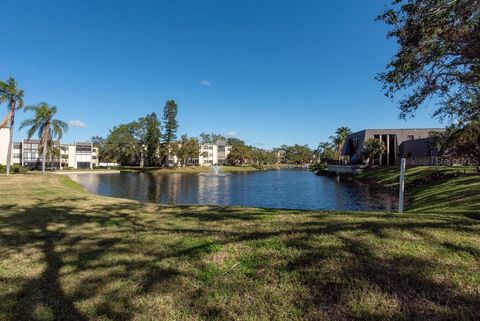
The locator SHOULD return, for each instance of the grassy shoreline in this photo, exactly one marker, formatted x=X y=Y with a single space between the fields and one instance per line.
x=71 y=255
x=433 y=189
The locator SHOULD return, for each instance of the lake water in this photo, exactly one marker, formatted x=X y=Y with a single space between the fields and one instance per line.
x=291 y=189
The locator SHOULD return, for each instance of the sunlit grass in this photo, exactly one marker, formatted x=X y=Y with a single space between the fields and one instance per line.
x=457 y=193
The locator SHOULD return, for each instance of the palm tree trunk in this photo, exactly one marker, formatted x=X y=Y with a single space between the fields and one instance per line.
x=10 y=140
x=44 y=156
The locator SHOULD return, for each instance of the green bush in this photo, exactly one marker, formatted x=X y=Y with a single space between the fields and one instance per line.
x=14 y=169
x=318 y=167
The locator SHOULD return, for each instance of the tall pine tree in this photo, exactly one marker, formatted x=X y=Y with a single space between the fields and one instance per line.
x=170 y=123
x=151 y=140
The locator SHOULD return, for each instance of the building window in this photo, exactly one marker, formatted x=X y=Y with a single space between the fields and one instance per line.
x=83 y=165
x=84 y=149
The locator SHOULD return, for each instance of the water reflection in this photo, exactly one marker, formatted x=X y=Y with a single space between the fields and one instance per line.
x=274 y=189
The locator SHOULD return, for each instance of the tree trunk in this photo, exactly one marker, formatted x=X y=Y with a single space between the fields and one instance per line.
x=10 y=140
x=44 y=156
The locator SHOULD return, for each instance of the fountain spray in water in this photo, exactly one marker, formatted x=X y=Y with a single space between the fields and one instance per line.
x=215 y=169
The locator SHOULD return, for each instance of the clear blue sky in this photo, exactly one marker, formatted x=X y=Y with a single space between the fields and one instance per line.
x=272 y=72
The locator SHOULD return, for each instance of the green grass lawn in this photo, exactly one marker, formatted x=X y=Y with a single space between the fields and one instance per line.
x=453 y=195
x=66 y=254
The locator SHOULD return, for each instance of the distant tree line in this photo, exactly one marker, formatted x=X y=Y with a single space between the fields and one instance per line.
x=142 y=142
x=145 y=142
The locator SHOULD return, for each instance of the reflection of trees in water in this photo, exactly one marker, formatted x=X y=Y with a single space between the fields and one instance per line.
x=285 y=189
x=173 y=188
x=376 y=197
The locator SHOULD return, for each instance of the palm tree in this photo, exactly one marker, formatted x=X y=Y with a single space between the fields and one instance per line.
x=325 y=151
x=45 y=126
x=55 y=152
x=10 y=93
x=373 y=148
x=341 y=134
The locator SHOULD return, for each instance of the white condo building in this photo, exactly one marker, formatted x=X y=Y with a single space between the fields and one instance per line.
x=26 y=153
x=208 y=155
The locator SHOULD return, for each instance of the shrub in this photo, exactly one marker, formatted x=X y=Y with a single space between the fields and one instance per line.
x=14 y=169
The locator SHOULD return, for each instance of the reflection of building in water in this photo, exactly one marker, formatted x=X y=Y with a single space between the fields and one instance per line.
x=174 y=187
x=213 y=189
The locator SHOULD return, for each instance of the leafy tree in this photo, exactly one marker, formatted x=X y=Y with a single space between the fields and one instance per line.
x=47 y=128
x=460 y=142
x=240 y=154
x=135 y=143
x=235 y=142
x=101 y=144
x=150 y=137
x=10 y=93
x=170 y=124
x=263 y=157
x=188 y=147
x=298 y=154
x=438 y=57
x=373 y=148
x=325 y=152
x=54 y=152
x=122 y=145
x=211 y=138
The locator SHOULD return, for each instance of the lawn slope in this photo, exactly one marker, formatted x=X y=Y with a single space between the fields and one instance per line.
x=69 y=255
x=434 y=189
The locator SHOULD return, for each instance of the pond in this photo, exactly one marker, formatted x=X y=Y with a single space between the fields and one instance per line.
x=289 y=189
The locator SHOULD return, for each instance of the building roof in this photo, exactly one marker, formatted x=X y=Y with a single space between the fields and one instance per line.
x=37 y=141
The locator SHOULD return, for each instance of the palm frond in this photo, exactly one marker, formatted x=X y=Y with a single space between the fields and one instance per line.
x=59 y=128
x=27 y=123
x=30 y=108
x=32 y=130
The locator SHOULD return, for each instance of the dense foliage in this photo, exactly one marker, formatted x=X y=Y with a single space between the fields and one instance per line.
x=438 y=56
x=297 y=154
x=373 y=148
x=330 y=151
x=171 y=125
x=438 y=60
x=188 y=147
x=459 y=142
x=150 y=138
x=211 y=138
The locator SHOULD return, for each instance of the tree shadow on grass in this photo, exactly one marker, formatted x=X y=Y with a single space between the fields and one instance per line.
x=405 y=286
x=104 y=254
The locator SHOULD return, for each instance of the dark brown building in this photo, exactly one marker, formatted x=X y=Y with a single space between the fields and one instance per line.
x=411 y=143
